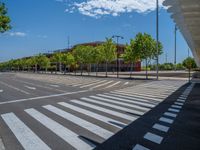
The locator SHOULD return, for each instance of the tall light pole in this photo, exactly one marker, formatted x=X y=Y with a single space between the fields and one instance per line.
x=175 y=30
x=157 y=38
x=117 y=37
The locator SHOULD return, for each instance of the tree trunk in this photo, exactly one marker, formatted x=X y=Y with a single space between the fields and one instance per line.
x=189 y=75
x=81 y=69
x=65 y=69
x=106 y=69
x=131 y=70
x=46 y=70
x=35 y=68
x=146 y=69
x=97 y=69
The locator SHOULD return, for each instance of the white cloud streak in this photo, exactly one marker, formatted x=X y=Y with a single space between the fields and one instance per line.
x=18 y=34
x=98 y=8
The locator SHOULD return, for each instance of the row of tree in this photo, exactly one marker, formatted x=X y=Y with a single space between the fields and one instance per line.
x=143 y=47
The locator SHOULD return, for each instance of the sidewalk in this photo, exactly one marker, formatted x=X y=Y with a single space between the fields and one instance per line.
x=180 y=132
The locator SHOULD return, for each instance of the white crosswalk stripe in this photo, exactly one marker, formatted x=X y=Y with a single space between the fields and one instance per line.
x=108 y=111
x=85 y=124
x=25 y=136
x=119 y=103
x=94 y=115
x=127 y=110
x=66 y=134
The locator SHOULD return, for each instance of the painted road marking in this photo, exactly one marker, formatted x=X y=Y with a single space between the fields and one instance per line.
x=101 y=85
x=160 y=127
x=1 y=91
x=93 y=83
x=120 y=103
x=173 y=110
x=139 y=147
x=105 y=119
x=170 y=114
x=126 y=83
x=24 y=135
x=179 y=100
x=114 y=106
x=177 y=103
x=54 y=85
x=176 y=106
x=113 y=85
x=31 y=88
x=140 y=98
x=81 y=122
x=41 y=97
x=163 y=119
x=153 y=137
x=15 y=88
x=125 y=100
x=64 y=133
x=108 y=111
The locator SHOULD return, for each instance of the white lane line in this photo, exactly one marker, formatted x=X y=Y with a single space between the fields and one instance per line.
x=167 y=120
x=105 y=119
x=31 y=88
x=180 y=97
x=61 y=131
x=120 y=103
x=170 y=114
x=114 y=106
x=173 y=110
x=93 y=83
x=115 y=97
x=160 y=127
x=126 y=83
x=153 y=137
x=177 y=103
x=112 y=85
x=130 y=96
x=94 y=87
x=15 y=88
x=139 y=147
x=41 y=97
x=81 y=122
x=28 y=139
x=176 y=106
x=108 y=111
x=54 y=85
x=1 y=91
x=2 y=147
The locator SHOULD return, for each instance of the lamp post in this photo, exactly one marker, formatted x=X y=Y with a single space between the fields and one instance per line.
x=117 y=37
x=157 y=38
x=175 y=30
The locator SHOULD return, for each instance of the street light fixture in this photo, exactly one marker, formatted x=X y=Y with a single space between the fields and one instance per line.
x=175 y=30
x=117 y=37
x=157 y=38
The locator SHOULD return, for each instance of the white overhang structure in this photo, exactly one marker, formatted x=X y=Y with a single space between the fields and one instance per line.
x=186 y=15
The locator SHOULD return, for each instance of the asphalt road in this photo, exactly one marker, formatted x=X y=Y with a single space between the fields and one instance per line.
x=66 y=112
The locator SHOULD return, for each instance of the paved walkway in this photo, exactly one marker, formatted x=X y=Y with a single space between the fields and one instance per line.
x=173 y=125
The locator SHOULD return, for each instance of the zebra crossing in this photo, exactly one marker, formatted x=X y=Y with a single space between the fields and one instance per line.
x=100 y=116
x=81 y=82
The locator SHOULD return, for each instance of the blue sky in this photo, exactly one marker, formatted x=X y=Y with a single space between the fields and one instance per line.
x=44 y=25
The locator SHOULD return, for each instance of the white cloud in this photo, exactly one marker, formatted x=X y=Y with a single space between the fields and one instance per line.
x=19 y=34
x=98 y=8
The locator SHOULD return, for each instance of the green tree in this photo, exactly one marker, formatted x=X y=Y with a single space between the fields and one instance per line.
x=68 y=60
x=4 y=19
x=57 y=59
x=109 y=52
x=131 y=55
x=189 y=63
x=43 y=62
x=147 y=48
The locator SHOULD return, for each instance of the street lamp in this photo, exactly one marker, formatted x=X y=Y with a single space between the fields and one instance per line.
x=157 y=38
x=175 y=30
x=117 y=37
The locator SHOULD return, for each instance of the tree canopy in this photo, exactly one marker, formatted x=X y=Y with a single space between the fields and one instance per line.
x=4 y=19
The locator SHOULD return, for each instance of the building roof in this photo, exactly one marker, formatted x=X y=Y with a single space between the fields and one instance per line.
x=186 y=14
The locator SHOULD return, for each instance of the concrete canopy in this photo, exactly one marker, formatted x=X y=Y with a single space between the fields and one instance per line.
x=186 y=14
